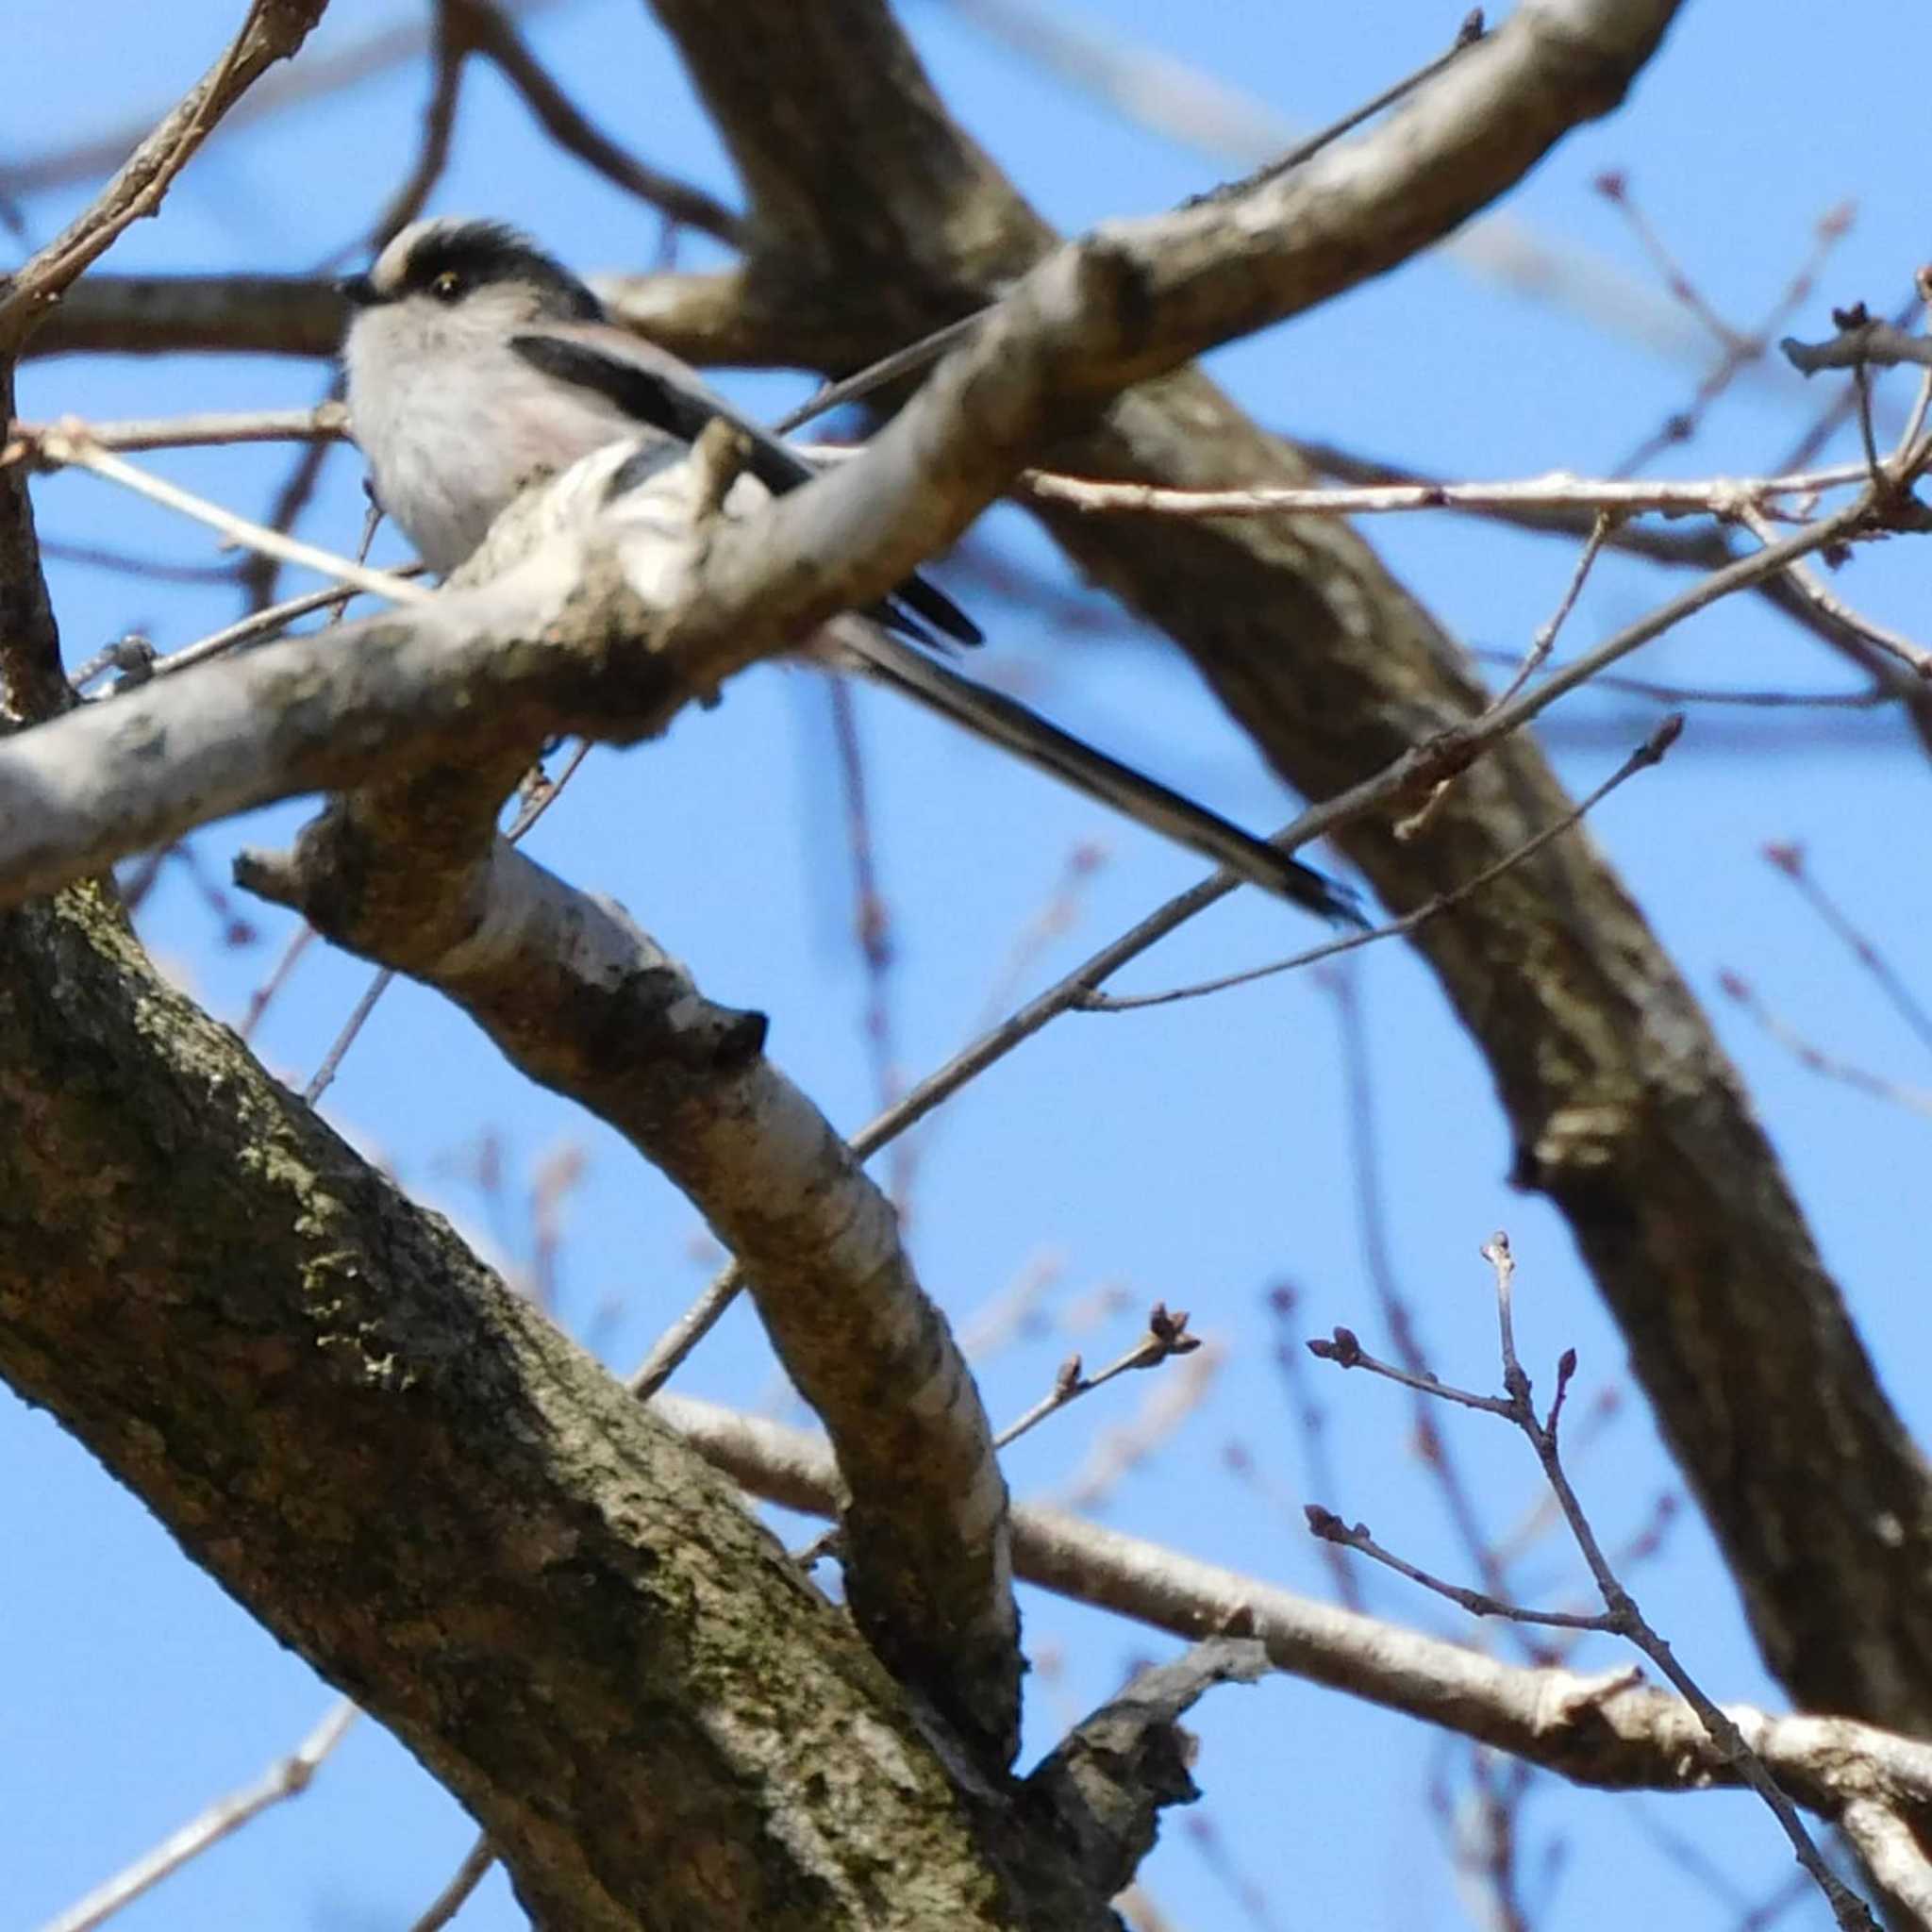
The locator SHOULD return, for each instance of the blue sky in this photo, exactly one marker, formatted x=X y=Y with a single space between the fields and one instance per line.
x=1197 y=1154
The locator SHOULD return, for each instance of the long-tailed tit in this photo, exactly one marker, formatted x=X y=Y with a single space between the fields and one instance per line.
x=478 y=365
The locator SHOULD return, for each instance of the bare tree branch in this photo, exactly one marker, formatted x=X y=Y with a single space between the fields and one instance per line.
x=489 y=30
x=31 y=683
x=1137 y=298
x=1608 y=1730
x=159 y=315
x=1187 y=104
x=1622 y=1106
x=323 y=73
x=1624 y=1111
x=420 y=1485
x=273 y=30
x=1109 y=1778
x=287 y=1777
x=580 y=1000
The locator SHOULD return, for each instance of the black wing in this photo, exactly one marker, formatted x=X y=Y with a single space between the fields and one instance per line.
x=657 y=398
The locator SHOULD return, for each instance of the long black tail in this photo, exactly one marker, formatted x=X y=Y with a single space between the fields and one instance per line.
x=1002 y=721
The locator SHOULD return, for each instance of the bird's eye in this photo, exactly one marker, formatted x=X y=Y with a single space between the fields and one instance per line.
x=447 y=287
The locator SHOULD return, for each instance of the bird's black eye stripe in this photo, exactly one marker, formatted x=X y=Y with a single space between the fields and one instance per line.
x=452 y=263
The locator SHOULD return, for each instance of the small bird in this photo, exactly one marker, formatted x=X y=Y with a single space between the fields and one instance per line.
x=478 y=365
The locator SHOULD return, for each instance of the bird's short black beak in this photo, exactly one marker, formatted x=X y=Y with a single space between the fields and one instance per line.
x=358 y=291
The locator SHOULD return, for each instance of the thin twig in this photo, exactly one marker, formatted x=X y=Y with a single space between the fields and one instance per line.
x=1737 y=349
x=491 y=34
x=268 y=33
x=1868 y=700
x=1921 y=402
x=1341 y=1347
x=1330 y=1528
x=672 y=1348
x=463 y=1881
x=260 y=1000
x=321 y=73
x=1815 y=1059
x=327 y=421
x=1619 y=1615
x=1312 y=1418
x=1615 y=188
x=1397 y=1310
x=872 y=918
x=286 y=1778
x=69 y=446
x=1556 y=490
x=448 y=49
x=1541 y=646
x=1545 y=640
x=1651 y=752
x=1708 y=547
x=1077 y=987
x=260 y=575
x=262 y=625
x=1116 y=1453
x=156 y=570
x=1790 y=859
x=930 y=348
x=323 y=1076
x=1056 y=917
x=1467 y=36
x=874 y=376
x=1167 y=1336
x=1628 y=1620
x=538 y=801
x=1893 y=644
x=1419 y=767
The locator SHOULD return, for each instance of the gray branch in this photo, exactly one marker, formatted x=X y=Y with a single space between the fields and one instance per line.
x=1609 y=1730
x=419 y=1484
x=355 y=1337
x=1622 y=1106
x=1137 y=298
x=1861 y=342
x=160 y=315
x=575 y=996
x=272 y=30
x=1109 y=1779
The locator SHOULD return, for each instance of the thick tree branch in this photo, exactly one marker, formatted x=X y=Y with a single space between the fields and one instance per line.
x=413 y=1480
x=704 y=318
x=1609 y=1730
x=1135 y=299
x=154 y=315
x=414 y=875
x=1625 y=1110
x=577 y=637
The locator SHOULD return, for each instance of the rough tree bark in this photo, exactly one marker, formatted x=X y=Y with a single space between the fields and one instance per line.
x=417 y=1483
x=1624 y=1109
x=424 y=1488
